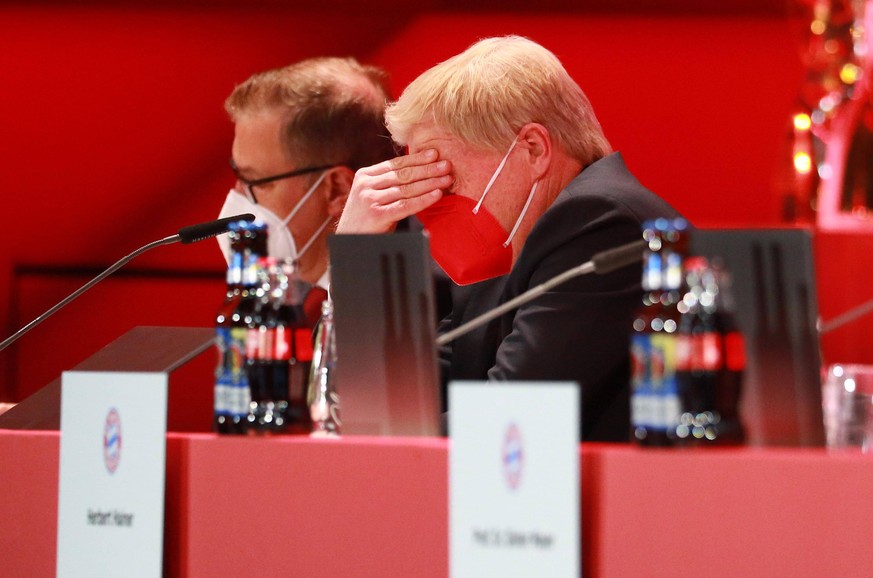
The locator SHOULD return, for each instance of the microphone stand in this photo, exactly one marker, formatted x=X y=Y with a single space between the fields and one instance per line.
x=519 y=300
x=190 y=234
x=112 y=269
x=845 y=317
x=601 y=263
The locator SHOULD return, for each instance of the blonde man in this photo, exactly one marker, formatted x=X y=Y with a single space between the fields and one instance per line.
x=509 y=170
x=300 y=134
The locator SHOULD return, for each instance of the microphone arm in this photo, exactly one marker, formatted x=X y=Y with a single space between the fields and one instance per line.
x=601 y=263
x=185 y=235
x=845 y=317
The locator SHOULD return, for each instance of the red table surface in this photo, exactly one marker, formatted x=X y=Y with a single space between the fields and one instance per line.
x=379 y=507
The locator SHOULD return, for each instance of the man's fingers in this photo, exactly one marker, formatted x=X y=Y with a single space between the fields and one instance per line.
x=385 y=193
x=418 y=188
x=420 y=158
x=412 y=175
x=398 y=163
x=410 y=206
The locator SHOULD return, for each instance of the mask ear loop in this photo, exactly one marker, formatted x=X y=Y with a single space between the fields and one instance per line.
x=533 y=189
x=312 y=239
x=303 y=199
x=494 y=176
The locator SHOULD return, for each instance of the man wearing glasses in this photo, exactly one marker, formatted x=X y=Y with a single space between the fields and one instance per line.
x=300 y=134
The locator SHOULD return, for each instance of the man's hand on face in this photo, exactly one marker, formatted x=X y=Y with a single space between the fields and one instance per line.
x=383 y=194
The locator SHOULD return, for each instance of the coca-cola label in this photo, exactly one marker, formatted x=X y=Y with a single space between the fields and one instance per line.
x=735 y=351
x=303 y=344
x=283 y=343
x=252 y=343
x=266 y=343
x=711 y=349
x=704 y=352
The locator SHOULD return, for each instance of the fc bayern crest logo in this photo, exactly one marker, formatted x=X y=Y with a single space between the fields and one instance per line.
x=112 y=440
x=513 y=456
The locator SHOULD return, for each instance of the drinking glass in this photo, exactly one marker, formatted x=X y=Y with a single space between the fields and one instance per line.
x=847 y=404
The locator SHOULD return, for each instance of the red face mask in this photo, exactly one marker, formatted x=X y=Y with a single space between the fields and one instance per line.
x=468 y=246
x=466 y=240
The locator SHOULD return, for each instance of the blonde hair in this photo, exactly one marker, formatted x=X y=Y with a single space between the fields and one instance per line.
x=334 y=110
x=488 y=92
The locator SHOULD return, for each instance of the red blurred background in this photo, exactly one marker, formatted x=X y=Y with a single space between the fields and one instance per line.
x=114 y=135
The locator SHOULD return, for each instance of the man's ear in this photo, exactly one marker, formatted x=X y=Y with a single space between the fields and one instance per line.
x=536 y=141
x=339 y=183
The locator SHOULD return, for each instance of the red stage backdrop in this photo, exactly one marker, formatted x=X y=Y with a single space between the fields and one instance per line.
x=114 y=133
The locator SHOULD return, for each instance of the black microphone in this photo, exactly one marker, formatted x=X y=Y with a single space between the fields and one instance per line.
x=186 y=235
x=194 y=233
x=622 y=256
x=601 y=263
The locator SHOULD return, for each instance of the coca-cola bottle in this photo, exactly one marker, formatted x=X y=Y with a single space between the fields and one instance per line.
x=710 y=359
x=293 y=349
x=733 y=369
x=266 y=412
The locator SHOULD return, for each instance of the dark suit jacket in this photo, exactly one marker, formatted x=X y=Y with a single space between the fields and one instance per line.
x=580 y=330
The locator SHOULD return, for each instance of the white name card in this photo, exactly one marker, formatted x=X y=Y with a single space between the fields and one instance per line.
x=514 y=506
x=111 y=491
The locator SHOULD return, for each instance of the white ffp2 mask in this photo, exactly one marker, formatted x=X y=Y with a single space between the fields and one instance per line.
x=280 y=241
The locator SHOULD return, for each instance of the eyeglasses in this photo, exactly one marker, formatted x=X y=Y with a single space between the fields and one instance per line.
x=249 y=185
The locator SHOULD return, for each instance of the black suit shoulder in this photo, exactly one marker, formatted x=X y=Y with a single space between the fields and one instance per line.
x=600 y=209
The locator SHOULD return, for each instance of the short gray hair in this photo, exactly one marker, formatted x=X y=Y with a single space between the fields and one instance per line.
x=488 y=92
